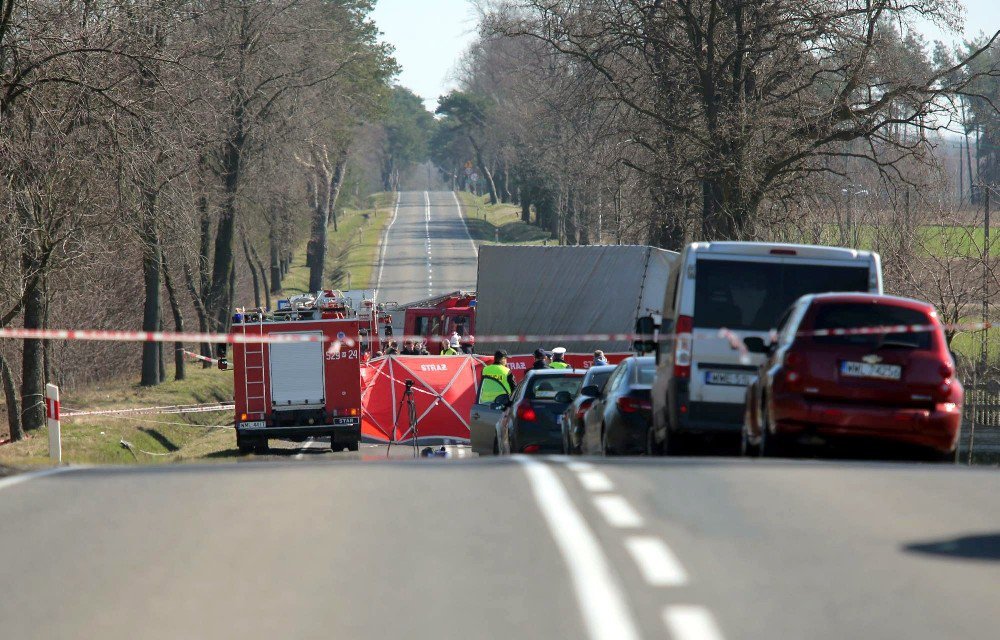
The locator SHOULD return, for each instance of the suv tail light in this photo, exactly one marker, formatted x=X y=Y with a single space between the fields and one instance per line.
x=526 y=412
x=682 y=347
x=631 y=405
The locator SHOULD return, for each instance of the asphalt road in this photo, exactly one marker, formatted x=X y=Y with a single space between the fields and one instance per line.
x=426 y=250
x=508 y=548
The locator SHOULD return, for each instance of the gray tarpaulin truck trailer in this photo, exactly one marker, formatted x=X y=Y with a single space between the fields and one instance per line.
x=526 y=289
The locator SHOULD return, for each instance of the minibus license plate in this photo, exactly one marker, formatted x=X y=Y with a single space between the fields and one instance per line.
x=729 y=378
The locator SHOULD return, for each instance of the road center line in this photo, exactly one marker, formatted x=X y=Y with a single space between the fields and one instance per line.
x=658 y=564
x=602 y=603
x=307 y=445
x=690 y=622
x=595 y=481
x=618 y=512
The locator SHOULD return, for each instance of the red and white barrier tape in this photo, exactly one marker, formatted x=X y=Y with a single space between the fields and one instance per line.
x=552 y=339
x=170 y=409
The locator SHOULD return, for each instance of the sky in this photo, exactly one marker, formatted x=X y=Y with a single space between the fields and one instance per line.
x=430 y=36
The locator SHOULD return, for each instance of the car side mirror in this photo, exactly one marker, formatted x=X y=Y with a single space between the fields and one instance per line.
x=645 y=327
x=500 y=402
x=756 y=345
x=590 y=391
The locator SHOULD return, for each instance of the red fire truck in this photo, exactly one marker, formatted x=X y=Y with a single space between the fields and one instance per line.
x=435 y=319
x=299 y=389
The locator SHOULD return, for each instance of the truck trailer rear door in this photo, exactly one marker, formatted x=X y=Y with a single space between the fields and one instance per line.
x=297 y=373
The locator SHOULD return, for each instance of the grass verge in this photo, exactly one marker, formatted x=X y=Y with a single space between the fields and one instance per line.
x=154 y=438
x=498 y=223
x=352 y=253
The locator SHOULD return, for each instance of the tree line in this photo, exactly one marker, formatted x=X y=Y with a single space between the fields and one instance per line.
x=157 y=155
x=662 y=121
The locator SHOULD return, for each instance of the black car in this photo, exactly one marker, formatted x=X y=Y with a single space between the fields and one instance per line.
x=572 y=417
x=618 y=421
x=530 y=423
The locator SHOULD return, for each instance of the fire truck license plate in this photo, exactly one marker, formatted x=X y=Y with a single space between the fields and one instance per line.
x=348 y=421
x=256 y=424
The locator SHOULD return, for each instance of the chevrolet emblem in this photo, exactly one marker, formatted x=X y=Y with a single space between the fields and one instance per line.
x=872 y=359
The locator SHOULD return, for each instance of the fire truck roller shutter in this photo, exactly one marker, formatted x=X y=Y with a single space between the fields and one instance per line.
x=297 y=373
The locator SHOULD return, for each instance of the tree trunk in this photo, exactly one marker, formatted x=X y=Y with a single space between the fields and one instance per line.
x=276 y=270
x=175 y=309
x=151 y=261
x=485 y=170
x=220 y=294
x=32 y=362
x=13 y=402
x=253 y=270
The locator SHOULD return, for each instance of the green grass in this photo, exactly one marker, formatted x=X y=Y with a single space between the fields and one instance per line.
x=936 y=240
x=176 y=438
x=352 y=253
x=968 y=343
x=490 y=224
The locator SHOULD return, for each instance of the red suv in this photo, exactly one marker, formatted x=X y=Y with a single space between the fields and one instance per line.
x=821 y=385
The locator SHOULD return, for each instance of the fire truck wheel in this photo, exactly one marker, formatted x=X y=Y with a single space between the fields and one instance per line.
x=353 y=445
x=261 y=446
x=336 y=445
x=244 y=444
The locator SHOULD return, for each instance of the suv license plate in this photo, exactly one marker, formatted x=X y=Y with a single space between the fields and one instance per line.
x=866 y=370
x=256 y=424
x=729 y=378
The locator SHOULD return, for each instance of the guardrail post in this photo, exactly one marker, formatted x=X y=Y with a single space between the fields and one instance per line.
x=52 y=414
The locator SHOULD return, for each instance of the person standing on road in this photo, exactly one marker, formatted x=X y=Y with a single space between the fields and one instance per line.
x=599 y=359
x=540 y=355
x=557 y=358
x=497 y=379
x=408 y=349
x=447 y=349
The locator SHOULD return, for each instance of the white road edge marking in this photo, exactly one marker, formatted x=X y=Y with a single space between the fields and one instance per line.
x=465 y=225
x=602 y=603
x=618 y=512
x=658 y=564
x=10 y=481
x=302 y=452
x=385 y=241
x=427 y=233
x=596 y=481
x=690 y=622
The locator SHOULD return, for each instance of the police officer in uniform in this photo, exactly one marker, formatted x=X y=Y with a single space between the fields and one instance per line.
x=540 y=363
x=497 y=379
x=557 y=359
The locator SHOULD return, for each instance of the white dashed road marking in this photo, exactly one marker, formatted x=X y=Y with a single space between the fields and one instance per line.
x=690 y=622
x=600 y=598
x=309 y=442
x=596 y=481
x=618 y=512
x=427 y=233
x=658 y=564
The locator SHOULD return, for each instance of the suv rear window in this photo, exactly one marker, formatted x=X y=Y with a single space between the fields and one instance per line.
x=857 y=315
x=645 y=372
x=546 y=387
x=753 y=295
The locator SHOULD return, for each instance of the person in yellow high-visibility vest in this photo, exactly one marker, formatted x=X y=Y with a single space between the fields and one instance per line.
x=557 y=359
x=497 y=379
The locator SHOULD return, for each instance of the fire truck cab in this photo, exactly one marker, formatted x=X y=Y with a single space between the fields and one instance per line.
x=435 y=319
x=307 y=386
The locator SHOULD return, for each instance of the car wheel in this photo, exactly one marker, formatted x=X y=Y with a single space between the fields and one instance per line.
x=771 y=445
x=653 y=447
x=747 y=448
x=606 y=449
x=496 y=446
x=673 y=445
